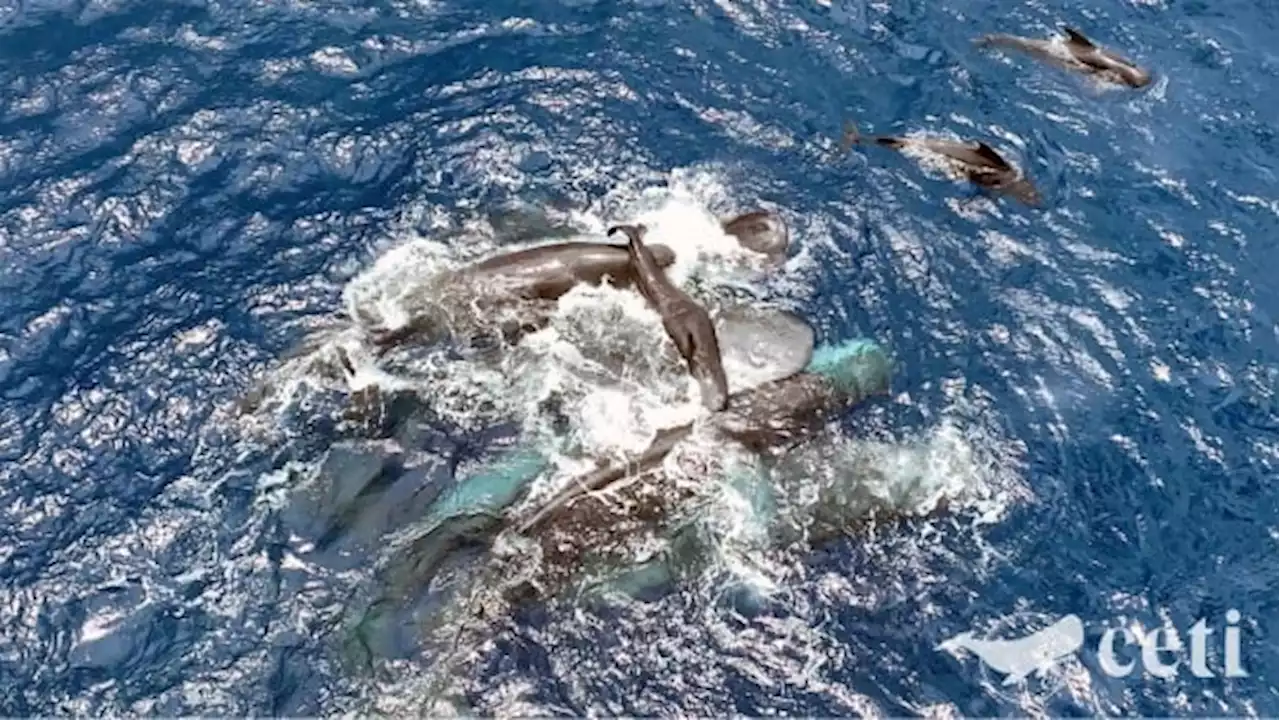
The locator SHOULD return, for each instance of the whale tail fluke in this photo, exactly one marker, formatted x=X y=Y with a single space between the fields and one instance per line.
x=852 y=137
x=959 y=641
x=635 y=233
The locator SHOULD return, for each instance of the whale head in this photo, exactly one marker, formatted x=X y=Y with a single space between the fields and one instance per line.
x=662 y=254
x=1131 y=75
x=1024 y=190
x=760 y=231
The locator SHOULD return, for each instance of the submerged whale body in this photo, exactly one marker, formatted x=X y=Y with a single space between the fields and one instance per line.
x=631 y=524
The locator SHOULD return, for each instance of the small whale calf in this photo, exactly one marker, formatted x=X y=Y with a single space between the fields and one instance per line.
x=1076 y=53
x=687 y=323
x=977 y=161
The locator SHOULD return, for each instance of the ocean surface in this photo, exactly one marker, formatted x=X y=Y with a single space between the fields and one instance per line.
x=191 y=191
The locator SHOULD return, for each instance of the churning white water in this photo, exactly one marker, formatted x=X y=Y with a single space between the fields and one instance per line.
x=616 y=380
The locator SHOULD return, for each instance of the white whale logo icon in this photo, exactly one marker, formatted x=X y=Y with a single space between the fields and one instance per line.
x=1038 y=652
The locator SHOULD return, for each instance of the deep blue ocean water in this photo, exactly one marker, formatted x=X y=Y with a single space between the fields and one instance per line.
x=184 y=186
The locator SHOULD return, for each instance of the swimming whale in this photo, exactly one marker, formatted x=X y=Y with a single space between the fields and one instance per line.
x=598 y=521
x=762 y=231
x=516 y=292
x=502 y=297
x=977 y=161
x=687 y=323
x=772 y=416
x=1076 y=53
x=505 y=296
x=522 y=282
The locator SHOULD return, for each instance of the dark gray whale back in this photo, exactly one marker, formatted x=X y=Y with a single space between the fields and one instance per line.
x=549 y=271
x=1084 y=56
x=982 y=165
x=517 y=290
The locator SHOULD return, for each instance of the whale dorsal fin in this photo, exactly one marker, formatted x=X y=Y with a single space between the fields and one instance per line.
x=1076 y=37
x=986 y=152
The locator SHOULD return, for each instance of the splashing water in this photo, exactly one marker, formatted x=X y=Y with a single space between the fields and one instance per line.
x=604 y=364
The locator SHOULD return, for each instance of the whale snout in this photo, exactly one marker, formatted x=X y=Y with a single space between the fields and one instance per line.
x=1138 y=77
x=760 y=231
x=662 y=254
